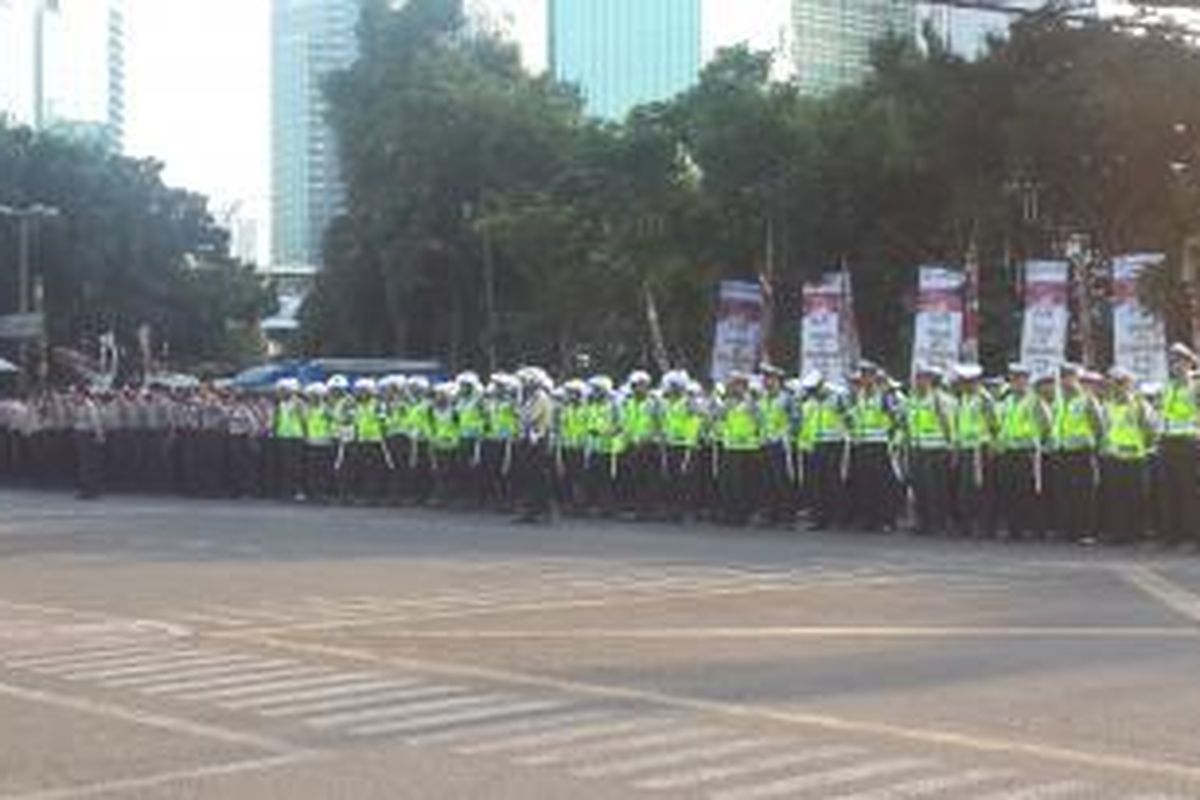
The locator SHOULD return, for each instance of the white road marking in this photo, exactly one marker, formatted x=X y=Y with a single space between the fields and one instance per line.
x=172 y=724
x=1042 y=792
x=146 y=683
x=697 y=777
x=252 y=671
x=482 y=732
x=706 y=752
x=591 y=749
x=349 y=685
x=824 y=780
x=923 y=787
x=158 y=666
x=556 y=737
x=1166 y=591
x=128 y=650
x=166 y=778
x=419 y=689
x=257 y=689
x=473 y=715
x=71 y=646
x=406 y=709
x=249 y=683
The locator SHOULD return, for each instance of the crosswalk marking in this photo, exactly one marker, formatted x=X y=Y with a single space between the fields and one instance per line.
x=1042 y=792
x=101 y=645
x=697 y=777
x=402 y=709
x=198 y=688
x=923 y=787
x=70 y=660
x=502 y=709
x=824 y=780
x=672 y=758
x=91 y=670
x=482 y=732
x=409 y=691
x=165 y=665
x=241 y=685
x=256 y=687
x=671 y=736
x=210 y=666
x=562 y=737
x=350 y=684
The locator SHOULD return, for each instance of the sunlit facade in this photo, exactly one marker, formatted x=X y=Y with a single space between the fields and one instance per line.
x=832 y=39
x=310 y=39
x=622 y=53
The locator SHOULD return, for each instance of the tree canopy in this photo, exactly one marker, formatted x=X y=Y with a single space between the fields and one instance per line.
x=490 y=218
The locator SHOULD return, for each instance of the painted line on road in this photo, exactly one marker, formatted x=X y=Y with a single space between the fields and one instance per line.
x=673 y=758
x=828 y=722
x=486 y=732
x=1042 y=792
x=167 y=778
x=850 y=632
x=472 y=716
x=823 y=780
x=163 y=722
x=1166 y=591
x=923 y=787
x=406 y=709
x=686 y=779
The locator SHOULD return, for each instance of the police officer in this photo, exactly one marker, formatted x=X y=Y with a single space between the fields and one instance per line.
x=533 y=448
x=974 y=424
x=571 y=445
x=605 y=445
x=1176 y=484
x=823 y=442
x=641 y=459
x=472 y=422
x=288 y=429
x=928 y=419
x=778 y=492
x=683 y=424
x=89 y=431
x=445 y=444
x=1127 y=437
x=1023 y=429
x=369 y=458
x=741 y=431
x=503 y=426
x=1077 y=430
x=871 y=478
x=319 y=447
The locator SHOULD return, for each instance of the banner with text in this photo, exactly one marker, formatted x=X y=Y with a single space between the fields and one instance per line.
x=827 y=338
x=1047 y=314
x=1139 y=336
x=938 y=337
x=737 y=341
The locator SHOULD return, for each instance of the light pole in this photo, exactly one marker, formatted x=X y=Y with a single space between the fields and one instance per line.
x=26 y=218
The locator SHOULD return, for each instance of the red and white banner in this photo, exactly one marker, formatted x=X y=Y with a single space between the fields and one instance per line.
x=1047 y=314
x=827 y=337
x=737 y=341
x=1139 y=336
x=938 y=337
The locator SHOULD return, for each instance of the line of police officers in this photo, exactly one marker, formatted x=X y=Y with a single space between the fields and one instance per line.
x=1068 y=454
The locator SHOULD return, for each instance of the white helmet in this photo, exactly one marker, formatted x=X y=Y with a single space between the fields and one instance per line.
x=287 y=385
x=446 y=389
x=316 y=390
x=338 y=383
x=468 y=377
x=364 y=385
x=639 y=377
x=418 y=384
x=601 y=383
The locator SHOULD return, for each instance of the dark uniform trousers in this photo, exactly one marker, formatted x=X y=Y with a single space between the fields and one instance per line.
x=497 y=457
x=974 y=493
x=686 y=469
x=1075 y=494
x=1123 y=499
x=89 y=464
x=444 y=469
x=1176 y=487
x=777 y=494
x=242 y=465
x=640 y=478
x=399 y=489
x=290 y=467
x=1019 y=508
x=532 y=479
x=930 y=475
x=872 y=485
x=740 y=474
x=367 y=464
x=318 y=470
x=571 y=487
x=825 y=488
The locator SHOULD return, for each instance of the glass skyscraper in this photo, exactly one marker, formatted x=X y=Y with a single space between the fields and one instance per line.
x=832 y=39
x=622 y=53
x=310 y=39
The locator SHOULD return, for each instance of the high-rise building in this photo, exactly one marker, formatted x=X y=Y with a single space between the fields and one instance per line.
x=310 y=39
x=966 y=31
x=625 y=52
x=62 y=66
x=832 y=39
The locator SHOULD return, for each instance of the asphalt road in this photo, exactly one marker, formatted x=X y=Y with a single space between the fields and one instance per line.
x=157 y=648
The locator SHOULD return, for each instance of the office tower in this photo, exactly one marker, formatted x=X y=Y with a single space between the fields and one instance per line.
x=832 y=39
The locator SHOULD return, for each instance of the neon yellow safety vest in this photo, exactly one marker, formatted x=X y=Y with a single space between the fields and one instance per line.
x=1019 y=429
x=869 y=420
x=397 y=419
x=777 y=421
x=604 y=431
x=471 y=420
x=637 y=420
x=926 y=428
x=1124 y=437
x=420 y=424
x=1180 y=411
x=1073 y=428
x=289 y=421
x=681 y=424
x=368 y=425
x=740 y=428
x=502 y=420
x=970 y=422
x=318 y=424
x=445 y=433
x=821 y=422
x=573 y=426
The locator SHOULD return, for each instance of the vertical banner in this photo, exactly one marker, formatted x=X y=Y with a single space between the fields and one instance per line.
x=1047 y=314
x=826 y=327
x=970 y=343
x=737 y=341
x=1139 y=336
x=938 y=337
